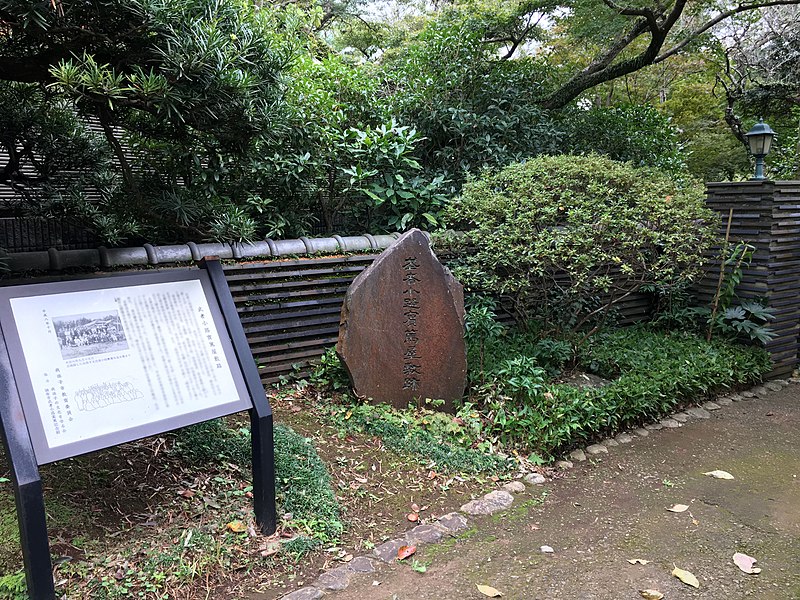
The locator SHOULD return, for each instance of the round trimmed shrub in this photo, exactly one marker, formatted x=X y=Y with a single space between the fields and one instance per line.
x=569 y=237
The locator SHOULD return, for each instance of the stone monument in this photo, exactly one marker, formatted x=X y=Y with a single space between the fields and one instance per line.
x=401 y=334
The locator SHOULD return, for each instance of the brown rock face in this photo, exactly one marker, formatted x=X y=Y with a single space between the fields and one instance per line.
x=401 y=335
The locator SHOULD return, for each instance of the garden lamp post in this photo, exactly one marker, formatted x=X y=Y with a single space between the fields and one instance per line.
x=759 y=138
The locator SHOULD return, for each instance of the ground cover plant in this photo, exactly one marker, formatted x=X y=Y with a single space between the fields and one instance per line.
x=522 y=408
x=171 y=517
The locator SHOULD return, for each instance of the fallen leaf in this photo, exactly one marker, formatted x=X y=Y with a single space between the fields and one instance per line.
x=432 y=475
x=237 y=526
x=651 y=594
x=413 y=517
x=719 y=474
x=405 y=551
x=678 y=508
x=414 y=507
x=270 y=550
x=745 y=563
x=186 y=493
x=686 y=577
x=488 y=590
x=638 y=561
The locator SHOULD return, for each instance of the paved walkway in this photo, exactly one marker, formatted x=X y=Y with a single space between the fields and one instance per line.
x=614 y=509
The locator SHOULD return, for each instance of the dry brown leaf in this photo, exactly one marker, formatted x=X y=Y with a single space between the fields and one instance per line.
x=414 y=507
x=745 y=563
x=651 y=594
x=638 y=561
x=405 y=551
x=488 y=590
x=717 y=474
x=678 y=508
x=686 y=577
x=270 y=550
x=237 y=526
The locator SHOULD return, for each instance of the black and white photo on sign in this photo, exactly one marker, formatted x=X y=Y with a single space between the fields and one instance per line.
x=89 y=334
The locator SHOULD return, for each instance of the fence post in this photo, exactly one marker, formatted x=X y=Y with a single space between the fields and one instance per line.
x=766 y=214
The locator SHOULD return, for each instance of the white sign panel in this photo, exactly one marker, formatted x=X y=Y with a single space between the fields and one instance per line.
x=112 y=364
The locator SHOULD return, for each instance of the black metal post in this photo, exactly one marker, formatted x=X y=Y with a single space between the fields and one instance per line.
x=261 y=426
x=27 y=485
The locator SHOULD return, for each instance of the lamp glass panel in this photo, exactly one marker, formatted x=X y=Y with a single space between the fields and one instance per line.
x=759 y=143
x=756 y=144
x=767 y=143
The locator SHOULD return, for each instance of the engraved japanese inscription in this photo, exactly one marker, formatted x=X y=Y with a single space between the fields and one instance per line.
x=401 y=332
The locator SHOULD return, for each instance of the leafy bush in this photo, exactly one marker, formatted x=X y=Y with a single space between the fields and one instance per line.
x=329 y=372
x=473 y=111
x=638 y=134
x=568 y=237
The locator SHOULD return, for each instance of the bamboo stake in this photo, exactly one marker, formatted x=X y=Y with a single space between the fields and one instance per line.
x=715 y=303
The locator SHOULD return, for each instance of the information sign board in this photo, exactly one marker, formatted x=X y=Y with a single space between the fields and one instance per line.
x=91 y=363
x=104 y=361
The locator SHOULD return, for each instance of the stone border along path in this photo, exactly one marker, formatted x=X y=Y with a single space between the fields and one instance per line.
x=453 y=523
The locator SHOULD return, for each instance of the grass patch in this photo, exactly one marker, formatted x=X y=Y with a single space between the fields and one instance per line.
x=302 y=482
x=441 y=440
x=168 y=517
x=304 y=487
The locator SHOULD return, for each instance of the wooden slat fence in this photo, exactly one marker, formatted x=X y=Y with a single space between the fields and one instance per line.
x=766 y=214
x=290 y=308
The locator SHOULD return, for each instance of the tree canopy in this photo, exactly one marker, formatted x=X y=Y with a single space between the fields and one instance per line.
x=168 y=120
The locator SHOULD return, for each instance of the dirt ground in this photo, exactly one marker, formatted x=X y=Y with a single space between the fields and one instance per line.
x=614 y=509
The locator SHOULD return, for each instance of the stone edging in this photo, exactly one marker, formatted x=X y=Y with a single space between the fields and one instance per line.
x=453 y=523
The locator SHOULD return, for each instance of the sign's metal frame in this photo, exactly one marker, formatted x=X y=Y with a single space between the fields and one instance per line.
x=17 y=437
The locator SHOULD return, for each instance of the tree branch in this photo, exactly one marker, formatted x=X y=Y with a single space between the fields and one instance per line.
x=604 y=69
x=715 y=21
